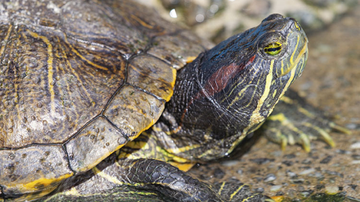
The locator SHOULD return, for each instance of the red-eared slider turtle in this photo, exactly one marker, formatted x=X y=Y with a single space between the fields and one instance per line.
x=81 y=79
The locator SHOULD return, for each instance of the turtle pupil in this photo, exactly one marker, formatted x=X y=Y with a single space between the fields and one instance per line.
x=273 y=48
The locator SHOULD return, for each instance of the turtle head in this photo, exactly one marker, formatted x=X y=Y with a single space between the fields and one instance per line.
x=229 y=91
x=272 y=56
x=246 y=75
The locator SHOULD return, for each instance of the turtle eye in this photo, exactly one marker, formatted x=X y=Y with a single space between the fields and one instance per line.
x=273 y=48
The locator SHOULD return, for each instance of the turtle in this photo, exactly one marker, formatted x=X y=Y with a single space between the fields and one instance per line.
x=90 y=85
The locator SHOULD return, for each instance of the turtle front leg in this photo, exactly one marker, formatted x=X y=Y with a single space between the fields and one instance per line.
x=172 y=183
x=150 y=180
x=293 y=121
x=176 y=185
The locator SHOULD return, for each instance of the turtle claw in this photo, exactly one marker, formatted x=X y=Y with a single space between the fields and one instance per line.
x=322 y=134
x=284 y=143
x=305 y=142
x=340 y=129
x=293 y=121
x=327 y=138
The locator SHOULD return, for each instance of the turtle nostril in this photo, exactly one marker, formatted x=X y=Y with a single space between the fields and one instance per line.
x=297 y=26
x=293 y=24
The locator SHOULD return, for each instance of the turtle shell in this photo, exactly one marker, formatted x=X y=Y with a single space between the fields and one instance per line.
x=79 y=79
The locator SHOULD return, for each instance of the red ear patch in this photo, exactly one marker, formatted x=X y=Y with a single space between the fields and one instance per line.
x=219 y=80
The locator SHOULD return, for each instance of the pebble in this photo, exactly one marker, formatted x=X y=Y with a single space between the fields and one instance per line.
x=290 y=156
x=280 y=193
x=331 y=189
x=356 y=145
x=277 y=153
x=353 y=186
x=306 y=161
x=334 y=173
x=259 y=190
x=326 y=160
x=261 y=161
x=291 y=174
x=292 y=193
x=229 y=163
x=306 y=193
x=355 y=162
x=341 y=151
x=352 y=126
x=300 y=188
x=318 y=176
x=269 y=178
x=308 y=171
x=298 y=181
x=275 y=188
x=288 y=163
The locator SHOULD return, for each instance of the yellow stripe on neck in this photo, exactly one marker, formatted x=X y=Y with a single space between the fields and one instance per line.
x=256 y=117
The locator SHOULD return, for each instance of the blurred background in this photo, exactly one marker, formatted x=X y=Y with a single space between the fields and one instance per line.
x=331 y=81
x=217 y=20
